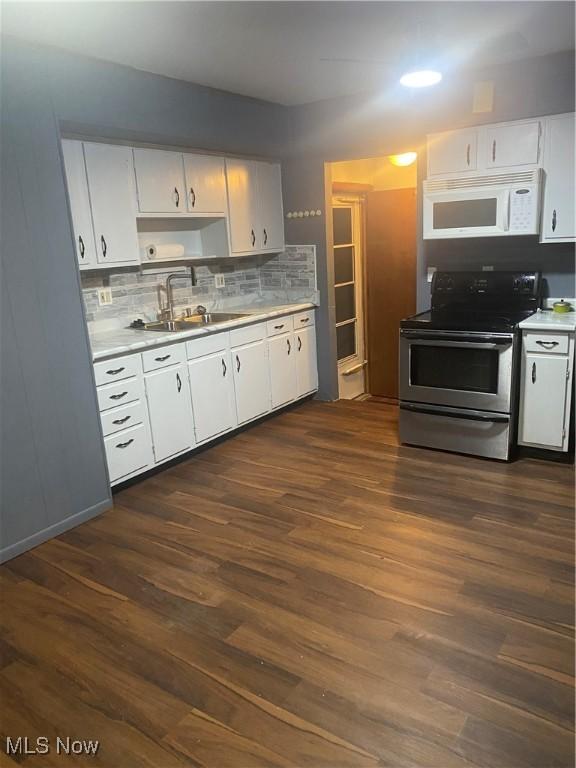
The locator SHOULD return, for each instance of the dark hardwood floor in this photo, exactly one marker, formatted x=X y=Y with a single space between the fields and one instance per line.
x=306 y=594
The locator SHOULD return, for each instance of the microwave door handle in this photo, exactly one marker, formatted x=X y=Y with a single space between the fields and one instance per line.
x=506 y=223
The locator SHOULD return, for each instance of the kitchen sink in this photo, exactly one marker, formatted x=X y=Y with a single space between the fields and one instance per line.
x=185 y=323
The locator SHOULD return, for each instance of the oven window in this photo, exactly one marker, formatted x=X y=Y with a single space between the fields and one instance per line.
x=467 y=369
x=465 y=213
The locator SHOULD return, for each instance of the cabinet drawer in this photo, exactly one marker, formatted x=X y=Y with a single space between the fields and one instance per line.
x=128 y=451
x=247 y=335
x=111 y=395
x=279 y=325
x=555 y=343
x=116 y=419
x=118 y=368
x=302 y=319
x=207 y=345
x=152 y=359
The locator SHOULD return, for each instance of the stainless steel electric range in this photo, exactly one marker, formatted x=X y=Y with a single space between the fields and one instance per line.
x=459 y=362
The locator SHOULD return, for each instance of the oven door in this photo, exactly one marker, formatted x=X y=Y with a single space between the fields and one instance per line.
x=457 y=369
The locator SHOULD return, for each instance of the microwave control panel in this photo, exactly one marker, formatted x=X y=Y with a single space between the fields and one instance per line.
x=524 y=210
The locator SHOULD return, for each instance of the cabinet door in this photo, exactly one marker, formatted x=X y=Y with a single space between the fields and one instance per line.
x=242 y=205
x=452 y=152
x=160 y=181
x=282 y=361
x=211 y=384
x=270 y=224
x=170 y=409
x=544 y=387
x=558 y=218
x=306 y=364
x=113 y=198
x=205 y=184
x=79 y=202
x=251 y=381
x=511 y=145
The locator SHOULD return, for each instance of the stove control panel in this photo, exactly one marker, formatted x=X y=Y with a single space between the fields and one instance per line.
x=496 y=286
x=524 y=284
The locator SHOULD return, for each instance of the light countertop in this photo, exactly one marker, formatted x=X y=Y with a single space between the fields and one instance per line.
x=546 y=320
x=120 y=341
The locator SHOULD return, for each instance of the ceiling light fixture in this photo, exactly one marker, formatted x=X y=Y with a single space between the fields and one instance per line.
x=421 y=78
x=406 y=158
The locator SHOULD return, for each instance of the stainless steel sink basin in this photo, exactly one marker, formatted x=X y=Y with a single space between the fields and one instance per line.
x=185 y=323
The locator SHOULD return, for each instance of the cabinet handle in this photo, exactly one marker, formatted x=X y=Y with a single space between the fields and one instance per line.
x=161 y=359
x=554 y=220
x=122 y=421
x=224 y=369
x=548 y=344
x=278 y=327
x=289 y=345
x=304 y=319
x=119 y=396
x=468 y=155
x=299 y=343
x=237 y=363
x=178 y=382
x=533 y=373
x=494 y=151
x=103 y=246
x=253 y=236
x=114 y=371
x=81 y=246
x=177 y=194
x=265 y=237
x=126 y=444
x=192 y=197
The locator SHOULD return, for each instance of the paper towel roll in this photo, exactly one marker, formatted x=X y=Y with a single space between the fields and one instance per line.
x=164 y=251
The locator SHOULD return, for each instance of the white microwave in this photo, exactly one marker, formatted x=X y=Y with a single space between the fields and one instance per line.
x=482 y=206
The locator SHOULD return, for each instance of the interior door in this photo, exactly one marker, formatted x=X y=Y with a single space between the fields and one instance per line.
x=270 y=233
x=205 y=184
x=349 y=295
x=544 y=386
x=211 y=384
x=306 y=365
x=242 y=199
x=282 y=360
x=79 y=196
x=160 y=181
x=113 y=197
x=390 y=282
x=170 y=409
x=251 y=381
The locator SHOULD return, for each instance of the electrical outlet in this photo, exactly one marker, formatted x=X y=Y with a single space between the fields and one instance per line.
x=104 y=296
x=219 y=280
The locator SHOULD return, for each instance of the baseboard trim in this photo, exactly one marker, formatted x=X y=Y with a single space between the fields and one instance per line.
x=7 y=553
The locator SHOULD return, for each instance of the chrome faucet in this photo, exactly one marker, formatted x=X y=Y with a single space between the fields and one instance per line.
x=169 y=310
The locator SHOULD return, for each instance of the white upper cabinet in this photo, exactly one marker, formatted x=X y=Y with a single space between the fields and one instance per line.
x=212 y=387
x=160 y=181
x=282 y=355
x=452 y=152
x=205 y=184
x=113 y=202
x=255 y=206
x=512 y=145
x=79 y=196
x=170 y=410
x=558 y=218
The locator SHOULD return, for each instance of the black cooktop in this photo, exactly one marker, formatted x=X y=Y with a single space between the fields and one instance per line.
x=466 y=320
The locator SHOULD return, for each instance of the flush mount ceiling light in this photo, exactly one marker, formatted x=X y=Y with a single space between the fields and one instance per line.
x=406 y=158
x=420 y=78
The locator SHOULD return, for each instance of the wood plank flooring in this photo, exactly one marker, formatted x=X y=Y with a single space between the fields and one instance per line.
x=307 y=594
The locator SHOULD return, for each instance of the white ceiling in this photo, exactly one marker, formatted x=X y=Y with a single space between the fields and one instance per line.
x=296 y=52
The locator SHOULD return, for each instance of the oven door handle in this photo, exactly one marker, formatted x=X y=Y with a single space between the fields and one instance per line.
x=457 y=414
x=459 y=339
x=462 y=343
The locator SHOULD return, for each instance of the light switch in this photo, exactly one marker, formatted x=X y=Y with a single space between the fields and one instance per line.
x=104 y=296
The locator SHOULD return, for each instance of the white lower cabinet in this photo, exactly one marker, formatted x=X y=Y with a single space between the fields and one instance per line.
x=212 y=388
x=545 y=395
x=170 y=411
x=251 y=380
x=128 y=451
x=306 y=366
x=282 y=361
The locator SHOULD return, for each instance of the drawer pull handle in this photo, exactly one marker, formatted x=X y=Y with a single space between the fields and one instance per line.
x=81 y=246
x=177 y=196
x=178 y=382
x=533 y=373
x=548 y=344
x=119 y=396
x=279 y=327
x=223 y=367
x=304 y=319
x=192 y=197
x=289 y=346
x=299 y=343
x=122 y=421
x=103 y=246
x=237 y=363
x=115 y=371
x=161 y=359
x=265 y=237
x=126 y=444
x=253 y=238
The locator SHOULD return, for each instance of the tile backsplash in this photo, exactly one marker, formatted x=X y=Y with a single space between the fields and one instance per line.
x=281 y=278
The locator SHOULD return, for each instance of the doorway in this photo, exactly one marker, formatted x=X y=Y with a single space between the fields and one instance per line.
x=374 y=241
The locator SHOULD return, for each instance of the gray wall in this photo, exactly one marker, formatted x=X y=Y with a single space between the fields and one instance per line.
x=52 y=466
